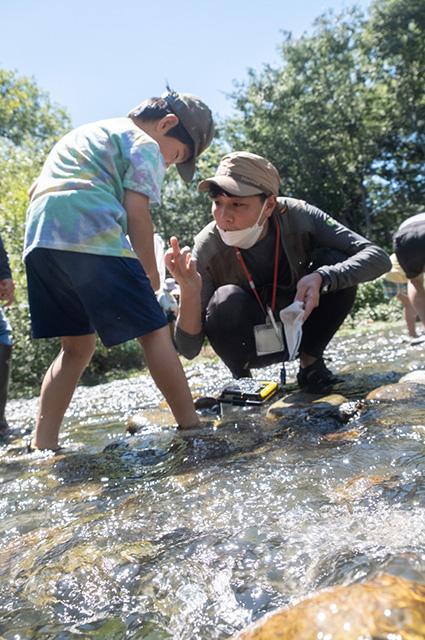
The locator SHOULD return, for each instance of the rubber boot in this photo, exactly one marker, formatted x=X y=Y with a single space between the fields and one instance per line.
x=5 y=367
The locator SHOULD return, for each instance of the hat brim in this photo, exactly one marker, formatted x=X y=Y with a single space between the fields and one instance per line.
x=230 y=185
x=187 y=169
x=196 y=118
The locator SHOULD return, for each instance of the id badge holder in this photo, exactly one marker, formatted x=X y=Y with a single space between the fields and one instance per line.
x=269 y=336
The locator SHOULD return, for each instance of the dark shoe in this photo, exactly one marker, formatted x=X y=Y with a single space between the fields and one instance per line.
x=316 y=377
x=30 y=448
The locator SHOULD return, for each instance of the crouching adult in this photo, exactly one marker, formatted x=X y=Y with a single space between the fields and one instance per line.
x=260 y=254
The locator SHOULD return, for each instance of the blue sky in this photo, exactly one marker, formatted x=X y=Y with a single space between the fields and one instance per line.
x=99 y=59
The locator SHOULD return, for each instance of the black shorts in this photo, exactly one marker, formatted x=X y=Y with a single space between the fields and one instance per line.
x=409 y=247
x=74 y=294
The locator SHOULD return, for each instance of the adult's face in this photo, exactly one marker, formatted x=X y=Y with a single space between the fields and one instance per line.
x=236 y=213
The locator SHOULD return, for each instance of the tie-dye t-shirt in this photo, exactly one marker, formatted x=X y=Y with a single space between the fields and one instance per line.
x=77 y=204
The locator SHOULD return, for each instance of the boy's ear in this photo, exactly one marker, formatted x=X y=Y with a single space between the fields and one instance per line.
x=167 y=122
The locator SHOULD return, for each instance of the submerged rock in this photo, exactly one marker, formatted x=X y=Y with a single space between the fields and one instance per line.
x=136 y=423
x=399 y=391
x=384 y=607
x=211 y=440
x=414 y=376
x=203 y=403
x=302 y=399
x=324 y=414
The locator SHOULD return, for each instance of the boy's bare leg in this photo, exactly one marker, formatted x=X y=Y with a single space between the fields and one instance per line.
x=167 y=371
x=58 y=387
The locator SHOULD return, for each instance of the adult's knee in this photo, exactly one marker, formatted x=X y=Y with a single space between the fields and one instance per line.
x=229 y=322
x=230 y=309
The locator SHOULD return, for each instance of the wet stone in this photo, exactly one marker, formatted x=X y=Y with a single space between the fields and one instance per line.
x=136 y=423
x=212 y=440
x=384 y=607
x=312 y=401
x=399 y=391
x=207 y=403
x=322 y=414
x=414 y=376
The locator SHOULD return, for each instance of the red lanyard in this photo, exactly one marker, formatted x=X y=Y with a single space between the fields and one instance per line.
x=248 y=275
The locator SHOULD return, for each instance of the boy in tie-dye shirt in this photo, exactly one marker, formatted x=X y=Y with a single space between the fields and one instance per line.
x=89 y=249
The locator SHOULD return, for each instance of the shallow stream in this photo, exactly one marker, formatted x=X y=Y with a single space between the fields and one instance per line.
x=160 y=536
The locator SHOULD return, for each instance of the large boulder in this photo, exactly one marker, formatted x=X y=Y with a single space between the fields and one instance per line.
x=384 y=607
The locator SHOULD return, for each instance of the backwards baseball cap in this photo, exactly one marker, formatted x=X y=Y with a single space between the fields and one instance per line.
x=244 y=174
x=196 y=118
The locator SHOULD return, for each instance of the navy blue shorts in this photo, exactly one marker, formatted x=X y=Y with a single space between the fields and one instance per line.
x=75 y=294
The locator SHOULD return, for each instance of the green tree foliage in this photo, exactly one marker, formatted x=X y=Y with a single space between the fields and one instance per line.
x=325 y=116
x=26 y=112
x=394 y=41
x=310 y=117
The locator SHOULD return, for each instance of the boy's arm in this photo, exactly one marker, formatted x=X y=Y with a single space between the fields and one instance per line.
x=140 y=232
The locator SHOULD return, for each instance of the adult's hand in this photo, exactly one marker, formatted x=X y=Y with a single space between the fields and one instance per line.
x=182 y=267
x=308 y=292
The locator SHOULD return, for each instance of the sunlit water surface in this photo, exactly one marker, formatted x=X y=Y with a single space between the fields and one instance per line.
x=164 y=536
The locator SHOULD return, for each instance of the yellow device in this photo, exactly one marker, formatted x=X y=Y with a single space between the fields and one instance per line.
x=247 y=391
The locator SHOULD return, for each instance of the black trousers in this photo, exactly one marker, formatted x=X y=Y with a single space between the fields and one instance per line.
x=233 y=312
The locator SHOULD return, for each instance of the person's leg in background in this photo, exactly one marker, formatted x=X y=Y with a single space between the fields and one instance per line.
x=409 y=314
x=5 y=366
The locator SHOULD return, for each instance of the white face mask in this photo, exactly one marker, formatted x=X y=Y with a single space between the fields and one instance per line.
x=243 y=238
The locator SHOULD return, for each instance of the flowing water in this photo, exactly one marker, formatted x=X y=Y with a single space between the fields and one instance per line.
x=160 y=536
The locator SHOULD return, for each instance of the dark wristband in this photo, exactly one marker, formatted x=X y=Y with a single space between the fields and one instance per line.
x=326 y=281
